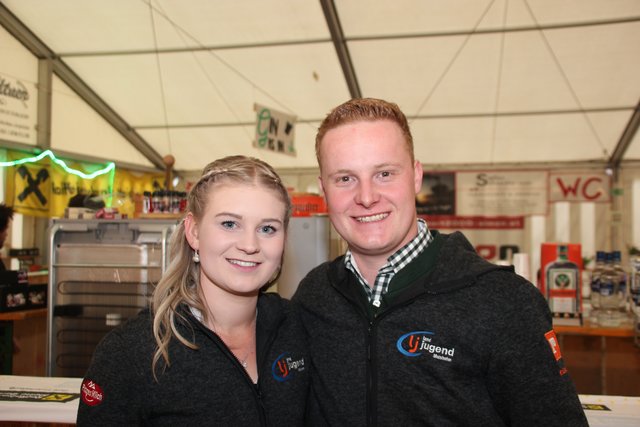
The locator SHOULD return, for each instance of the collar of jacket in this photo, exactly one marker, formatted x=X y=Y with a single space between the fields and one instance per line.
x=272 y=311
x=457 y=266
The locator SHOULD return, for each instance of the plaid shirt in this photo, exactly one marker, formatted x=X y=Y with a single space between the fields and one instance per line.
x=395 y=263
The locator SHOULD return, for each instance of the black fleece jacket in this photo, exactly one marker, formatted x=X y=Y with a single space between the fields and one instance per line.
x=207 y=386
x=457 y=341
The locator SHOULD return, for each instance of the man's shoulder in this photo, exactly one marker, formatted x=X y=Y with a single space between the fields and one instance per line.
x=327 y=270
x=320 y=277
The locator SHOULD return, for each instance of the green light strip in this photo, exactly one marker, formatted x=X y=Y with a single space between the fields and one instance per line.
x=110 y=166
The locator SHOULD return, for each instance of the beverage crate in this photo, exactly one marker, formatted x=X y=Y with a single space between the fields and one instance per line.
x=306 y=204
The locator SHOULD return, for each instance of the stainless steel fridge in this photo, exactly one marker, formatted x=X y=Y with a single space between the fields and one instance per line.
x=101 y=272
x=310 y=241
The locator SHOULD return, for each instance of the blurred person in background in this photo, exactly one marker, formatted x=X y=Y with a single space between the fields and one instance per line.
x=6 y=216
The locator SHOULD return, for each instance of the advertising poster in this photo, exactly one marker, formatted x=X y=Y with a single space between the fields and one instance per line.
x=18 y=110
x=45 y=189
x=501 y=193
x=438 y=194
x=496 y=236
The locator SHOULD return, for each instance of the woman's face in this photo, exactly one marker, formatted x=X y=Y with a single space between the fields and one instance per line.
x=240 y=237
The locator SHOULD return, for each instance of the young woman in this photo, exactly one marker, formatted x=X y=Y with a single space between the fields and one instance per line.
x=214 y=348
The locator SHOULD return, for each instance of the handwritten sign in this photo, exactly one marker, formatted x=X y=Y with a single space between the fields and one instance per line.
x=275 y=131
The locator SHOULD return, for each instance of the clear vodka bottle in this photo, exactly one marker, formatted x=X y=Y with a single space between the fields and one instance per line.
x=623 y=288
x=635 y=296
x=595 y=285
x=610 y=314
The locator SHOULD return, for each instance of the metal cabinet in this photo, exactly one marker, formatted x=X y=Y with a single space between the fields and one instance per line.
x=101 y=272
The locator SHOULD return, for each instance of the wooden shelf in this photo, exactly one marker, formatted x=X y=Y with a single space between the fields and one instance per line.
x=625 y=330
x=160 y=215
x=23 y=314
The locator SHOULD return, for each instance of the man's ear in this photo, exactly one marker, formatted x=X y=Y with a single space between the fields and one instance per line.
x=417 y=175
x=320 y=186
x=191 y=231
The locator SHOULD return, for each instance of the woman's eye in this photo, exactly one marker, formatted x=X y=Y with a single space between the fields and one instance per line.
x=268 y=229
x=229 y=224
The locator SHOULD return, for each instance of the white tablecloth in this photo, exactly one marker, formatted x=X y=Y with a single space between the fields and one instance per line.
x=51 y=399
x=618 y=411
x=39 y=399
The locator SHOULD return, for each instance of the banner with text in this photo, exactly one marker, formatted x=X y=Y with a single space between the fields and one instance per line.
x=501 y=193
x=275 y=131
x=44 y=189
x=579 y=187
x=18 y=110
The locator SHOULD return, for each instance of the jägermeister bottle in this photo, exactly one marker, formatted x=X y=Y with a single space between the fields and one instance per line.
x=563 y=280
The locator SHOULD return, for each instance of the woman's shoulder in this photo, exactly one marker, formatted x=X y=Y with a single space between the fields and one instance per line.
x=133 y=330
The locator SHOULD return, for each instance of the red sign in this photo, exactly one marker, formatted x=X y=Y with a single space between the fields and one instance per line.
x=579 y=187
x=474 y=222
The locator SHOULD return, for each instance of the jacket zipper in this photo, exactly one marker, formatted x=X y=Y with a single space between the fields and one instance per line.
x=371 y=398
x=255 y=388
x=371 y=393
x=372 y=378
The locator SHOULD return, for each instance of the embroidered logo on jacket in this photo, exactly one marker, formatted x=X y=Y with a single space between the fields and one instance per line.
x=91 y=393
x=285 y=366
x=417 y=343
x=555 y=349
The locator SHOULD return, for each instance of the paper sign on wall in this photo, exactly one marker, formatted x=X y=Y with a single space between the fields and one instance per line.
x=501 y=193
x=275 y=131
x=18 y=110
x=579 y=187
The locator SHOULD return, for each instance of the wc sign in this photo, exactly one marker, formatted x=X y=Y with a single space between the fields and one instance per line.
x=275 y=131
x=579 y=187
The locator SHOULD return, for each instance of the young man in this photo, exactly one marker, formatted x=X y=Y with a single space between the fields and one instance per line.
x=412 y=327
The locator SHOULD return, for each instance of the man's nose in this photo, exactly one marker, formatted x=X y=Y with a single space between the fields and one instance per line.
x=367 y=194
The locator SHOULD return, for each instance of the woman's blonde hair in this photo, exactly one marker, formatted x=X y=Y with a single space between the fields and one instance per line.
x=179 y=283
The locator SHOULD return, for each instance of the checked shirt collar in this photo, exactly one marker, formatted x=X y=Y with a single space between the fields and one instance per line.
x=396 y=262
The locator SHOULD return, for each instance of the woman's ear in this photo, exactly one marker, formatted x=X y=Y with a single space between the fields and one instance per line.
x=191 y=231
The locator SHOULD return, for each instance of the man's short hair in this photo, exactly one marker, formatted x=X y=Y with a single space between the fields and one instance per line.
x=364 y=109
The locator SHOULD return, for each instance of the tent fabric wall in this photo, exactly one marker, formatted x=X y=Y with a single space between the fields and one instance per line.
x=483 y=82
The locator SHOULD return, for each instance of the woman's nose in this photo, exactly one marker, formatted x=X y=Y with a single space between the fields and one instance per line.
x=248 y=242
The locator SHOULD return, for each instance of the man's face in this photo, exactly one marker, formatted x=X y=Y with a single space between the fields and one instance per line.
x=370 y=183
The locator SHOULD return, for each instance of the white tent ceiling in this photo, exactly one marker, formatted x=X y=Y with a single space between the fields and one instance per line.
x=483 y=81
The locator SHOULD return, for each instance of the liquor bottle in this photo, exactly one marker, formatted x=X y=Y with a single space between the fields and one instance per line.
x=146 y=202
x=595 y=285
x=635 y=285
x=635 y=297
x=563 y=283
x=610 y=314
x=623 y=289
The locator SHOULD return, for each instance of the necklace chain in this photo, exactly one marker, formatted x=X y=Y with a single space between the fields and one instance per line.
x=244 y=360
